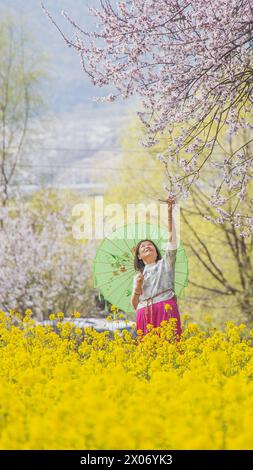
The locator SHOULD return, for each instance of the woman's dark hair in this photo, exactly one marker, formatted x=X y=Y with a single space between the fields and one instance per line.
x=138 y=263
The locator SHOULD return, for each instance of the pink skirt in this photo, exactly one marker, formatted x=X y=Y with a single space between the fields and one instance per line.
x=159 y=315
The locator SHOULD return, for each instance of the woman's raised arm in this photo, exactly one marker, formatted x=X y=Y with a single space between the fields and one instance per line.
x=171 y=228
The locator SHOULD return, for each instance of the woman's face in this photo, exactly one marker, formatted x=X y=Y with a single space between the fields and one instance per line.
x=147 y=252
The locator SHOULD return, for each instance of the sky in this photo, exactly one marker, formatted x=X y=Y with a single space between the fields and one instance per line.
x=68 y=85
x=76 y=138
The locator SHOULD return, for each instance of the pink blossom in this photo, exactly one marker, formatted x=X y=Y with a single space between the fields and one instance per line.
x=188 y=62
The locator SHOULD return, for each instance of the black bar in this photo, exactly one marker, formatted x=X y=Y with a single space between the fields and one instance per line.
x=123 y=458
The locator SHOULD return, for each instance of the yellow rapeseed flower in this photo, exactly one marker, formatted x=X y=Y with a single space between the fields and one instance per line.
x=208 y=318
x=167 y=307
x=78 y=331
x=76 y=315
x=61 y=379
x=60 y=315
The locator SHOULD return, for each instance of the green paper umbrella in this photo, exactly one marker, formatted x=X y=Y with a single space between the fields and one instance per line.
x=113 y=266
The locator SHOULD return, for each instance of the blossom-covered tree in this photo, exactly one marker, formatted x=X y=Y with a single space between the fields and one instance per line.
x=190 y=62
x=40 y=266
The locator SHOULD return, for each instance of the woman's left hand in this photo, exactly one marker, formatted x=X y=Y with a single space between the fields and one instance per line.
x=171 y=201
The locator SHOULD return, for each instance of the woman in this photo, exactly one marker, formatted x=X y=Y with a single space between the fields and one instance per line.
x=153 y=295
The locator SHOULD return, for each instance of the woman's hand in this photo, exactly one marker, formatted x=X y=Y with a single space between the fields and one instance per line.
x=139 y=281
x=170 y=201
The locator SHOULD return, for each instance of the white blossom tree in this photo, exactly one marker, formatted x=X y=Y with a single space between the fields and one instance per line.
x=190 y=62
x=40 y=267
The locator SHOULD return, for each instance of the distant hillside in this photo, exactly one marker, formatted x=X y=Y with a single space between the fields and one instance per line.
x=77 y=140
x=69 y=86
